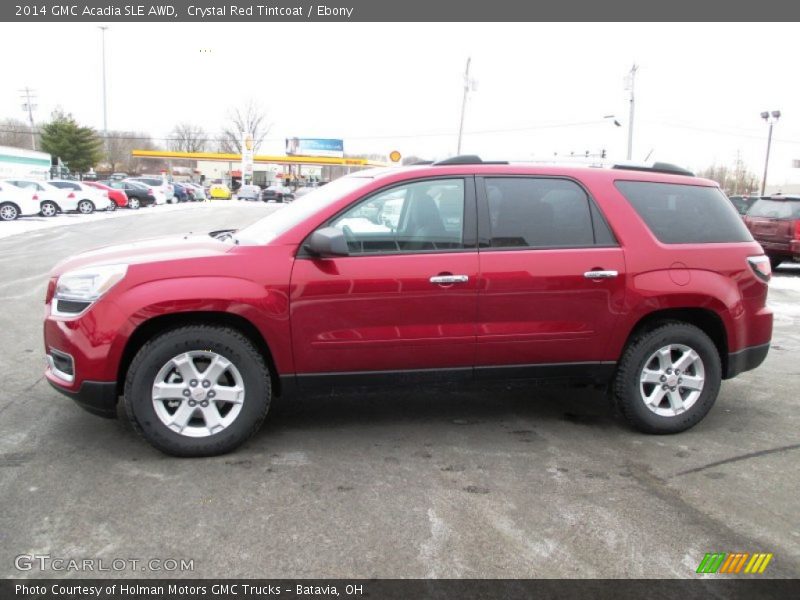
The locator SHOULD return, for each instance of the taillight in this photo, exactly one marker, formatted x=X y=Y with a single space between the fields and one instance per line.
x=761 y=266
x=149 y=192
x=71 y=195
x=796 y=229
x=36 y=197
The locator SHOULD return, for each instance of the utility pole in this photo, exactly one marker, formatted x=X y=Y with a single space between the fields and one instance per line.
x=467 y=85
x=105 y=109
x=29 y=95
x=631 y=83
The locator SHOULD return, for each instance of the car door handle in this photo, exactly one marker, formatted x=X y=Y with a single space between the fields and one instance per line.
x=449 y=279
x=600 y=274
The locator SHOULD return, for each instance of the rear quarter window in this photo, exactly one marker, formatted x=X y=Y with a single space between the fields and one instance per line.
x=685 y=214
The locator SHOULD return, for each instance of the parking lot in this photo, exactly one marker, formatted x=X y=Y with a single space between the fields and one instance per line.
x=521 y=481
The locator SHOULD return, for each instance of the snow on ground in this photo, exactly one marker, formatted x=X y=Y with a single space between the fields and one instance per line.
x=27 y=224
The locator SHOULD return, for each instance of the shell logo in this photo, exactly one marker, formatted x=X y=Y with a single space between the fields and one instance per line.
x=394 y=156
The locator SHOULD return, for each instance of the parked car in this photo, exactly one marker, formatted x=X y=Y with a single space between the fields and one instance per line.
x=775 y=223
x=219 y=191
x=743 y=203
x=492 y=271
x=162 y=189
x=117 y=196
x=181 y=194
x=88 y=198
x=138 y=193
x=249 y=192
x=277 y=193
x=16 y=202
x=51 y=199
x=198 y=192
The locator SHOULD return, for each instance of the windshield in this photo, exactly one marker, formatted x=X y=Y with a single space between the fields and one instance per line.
x=775 y=209
x=281 y=221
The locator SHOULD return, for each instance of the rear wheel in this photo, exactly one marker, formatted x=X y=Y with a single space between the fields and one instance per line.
x=49 y=209
x=197 y=391
x=133 y=203
x=85 y=207
x=668 y=379
x=112 y=206
x=8 y=211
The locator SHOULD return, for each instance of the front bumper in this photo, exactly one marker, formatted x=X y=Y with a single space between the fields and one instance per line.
x=97 y=397
x=746 y=359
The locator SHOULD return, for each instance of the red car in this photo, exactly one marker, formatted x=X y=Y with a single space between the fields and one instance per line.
x=774 y=222
x=644 y=280
x=118 y=197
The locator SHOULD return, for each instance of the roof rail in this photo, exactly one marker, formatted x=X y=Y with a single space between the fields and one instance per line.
x=657 y=167
x=421 y=162
x=467 y=159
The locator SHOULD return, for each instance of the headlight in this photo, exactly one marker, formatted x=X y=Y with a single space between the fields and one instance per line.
x=87 y=285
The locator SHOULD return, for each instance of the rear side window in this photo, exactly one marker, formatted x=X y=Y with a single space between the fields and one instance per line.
x=685 y=214
x=775 y=209
x=537 y=212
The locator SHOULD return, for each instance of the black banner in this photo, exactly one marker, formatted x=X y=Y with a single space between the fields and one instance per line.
x=197 y=11
x=405 y=589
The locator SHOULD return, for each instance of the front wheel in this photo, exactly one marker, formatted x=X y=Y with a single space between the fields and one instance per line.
x=668 y=379
x=112 y=206
x=85 y=207
x=48 y=209
x=8 y=212
x=197 y=391
x=133 y=203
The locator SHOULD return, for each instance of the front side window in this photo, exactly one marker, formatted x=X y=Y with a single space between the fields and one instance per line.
x=685 y=214
x=424 y=216
x=538 y=212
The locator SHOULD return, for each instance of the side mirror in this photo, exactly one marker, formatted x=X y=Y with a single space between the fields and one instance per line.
x=328 y=241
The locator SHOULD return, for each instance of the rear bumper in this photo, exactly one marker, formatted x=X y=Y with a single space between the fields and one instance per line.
x=97 y=397
x=746 y=359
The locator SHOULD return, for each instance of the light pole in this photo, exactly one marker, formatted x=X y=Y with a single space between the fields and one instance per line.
x=631 y=82
x=469 y=84
x=103 y=28
x=770 y=118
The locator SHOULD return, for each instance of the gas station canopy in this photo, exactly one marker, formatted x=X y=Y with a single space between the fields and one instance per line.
x=276 y=160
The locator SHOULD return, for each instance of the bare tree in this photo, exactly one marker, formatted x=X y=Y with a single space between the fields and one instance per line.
x=16 y=133
x=121 y=144
x=735 y=180
x=250 y=118
x=186 y=137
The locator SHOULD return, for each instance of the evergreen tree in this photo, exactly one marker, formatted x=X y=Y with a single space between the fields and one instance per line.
x=78 y=147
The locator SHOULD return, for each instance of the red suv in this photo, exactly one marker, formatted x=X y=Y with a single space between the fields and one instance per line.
x=641 y=279
x=775 y=223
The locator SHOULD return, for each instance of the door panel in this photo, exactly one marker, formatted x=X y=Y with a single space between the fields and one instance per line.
x=374 y=313
x=538 y=306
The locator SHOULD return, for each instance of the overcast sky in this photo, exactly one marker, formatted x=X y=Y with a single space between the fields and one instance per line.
x=542 y=88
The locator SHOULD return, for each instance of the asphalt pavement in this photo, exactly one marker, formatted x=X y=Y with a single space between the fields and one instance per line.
x=517 y=481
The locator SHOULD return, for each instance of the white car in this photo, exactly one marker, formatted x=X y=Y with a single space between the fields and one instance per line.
x=52 y=200
x=16 y=202
x=88 y=199
x=161 y=188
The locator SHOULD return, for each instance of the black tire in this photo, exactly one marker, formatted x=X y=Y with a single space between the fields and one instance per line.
x=626 y=387
x=8 y=211
x=134 y=203
x=157 y=352
x=48 y=209
x=86 y=207
x=112 y=206
x=775 y=261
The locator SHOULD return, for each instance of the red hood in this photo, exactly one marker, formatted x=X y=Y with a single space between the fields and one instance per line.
x=146 y=251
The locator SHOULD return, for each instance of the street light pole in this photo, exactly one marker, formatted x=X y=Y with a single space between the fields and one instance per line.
x=463 y=105
x=105 y=109
x=630 y=87
x=771 y=119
